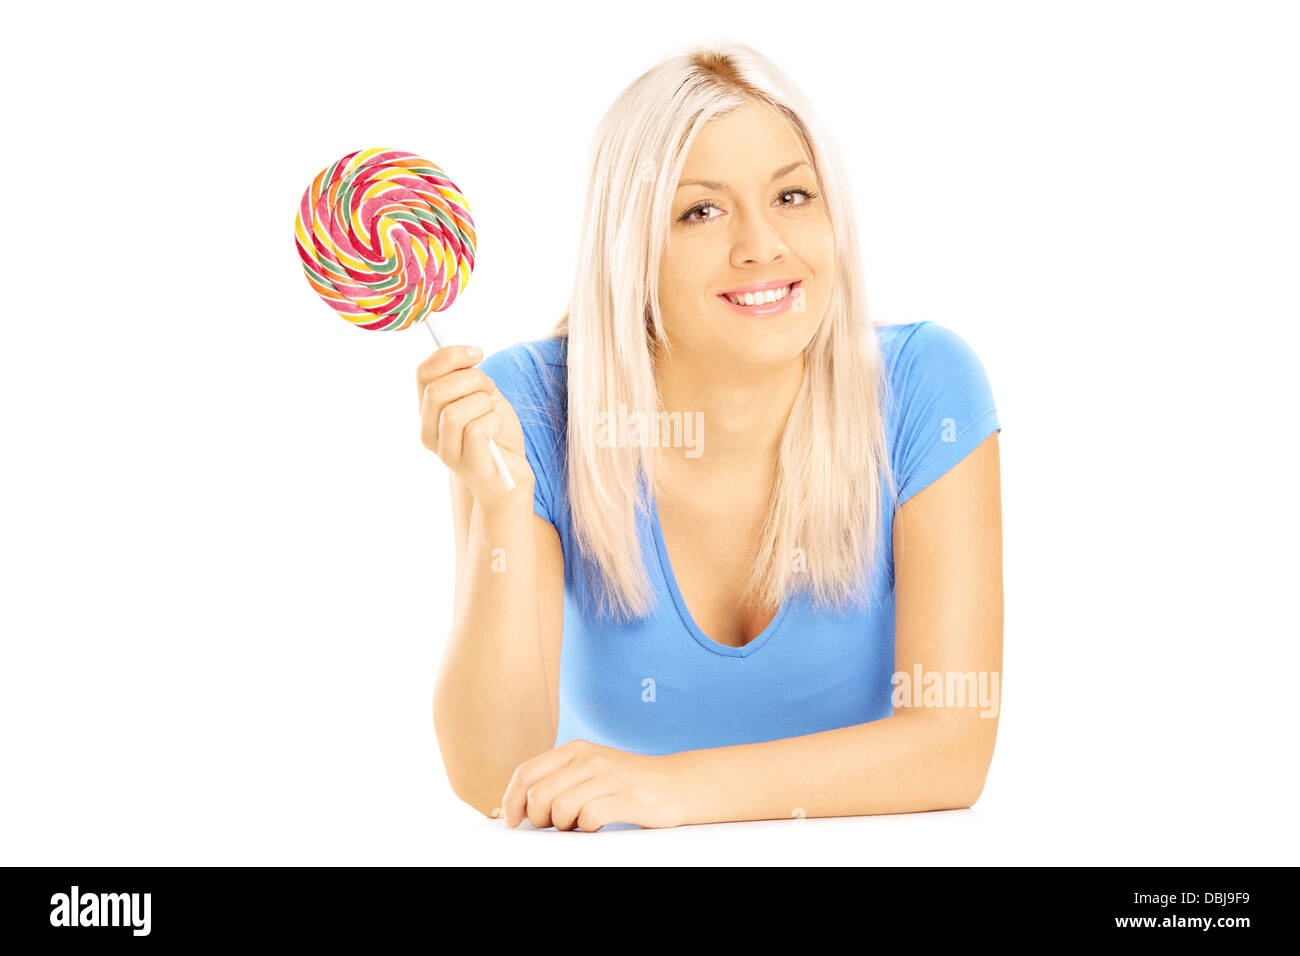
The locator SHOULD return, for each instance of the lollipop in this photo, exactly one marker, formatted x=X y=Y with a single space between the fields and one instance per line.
x=386 y=239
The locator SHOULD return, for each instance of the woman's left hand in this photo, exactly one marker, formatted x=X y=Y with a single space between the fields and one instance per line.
x=584 y=785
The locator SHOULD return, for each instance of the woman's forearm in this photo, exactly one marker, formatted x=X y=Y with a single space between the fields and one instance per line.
x=919 y=759
x=491 y=703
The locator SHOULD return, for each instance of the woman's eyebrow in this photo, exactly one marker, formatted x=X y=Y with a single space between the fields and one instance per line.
x=710 y=184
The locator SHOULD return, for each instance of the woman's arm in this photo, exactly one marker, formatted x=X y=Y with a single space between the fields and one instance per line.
x=495 y=702
x=948 y=602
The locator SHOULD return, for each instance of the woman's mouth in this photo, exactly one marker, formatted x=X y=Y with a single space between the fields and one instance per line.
x=770 y=302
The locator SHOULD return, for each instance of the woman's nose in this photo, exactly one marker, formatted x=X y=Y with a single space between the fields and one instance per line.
x=757 y=239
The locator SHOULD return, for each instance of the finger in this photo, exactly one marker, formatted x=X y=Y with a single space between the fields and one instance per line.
x=457 y=384
x=540 y=796
x=505 y=412
x=515 y=800
x=476 y=454
x=450 y=426
x=566 y=807
x=438 y=394
x=444 y=360
x=611 y=808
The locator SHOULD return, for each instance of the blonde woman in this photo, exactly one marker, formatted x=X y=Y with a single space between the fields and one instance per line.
x=749 y=527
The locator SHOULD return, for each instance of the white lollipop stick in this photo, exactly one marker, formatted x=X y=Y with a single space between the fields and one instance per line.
x=492 y=446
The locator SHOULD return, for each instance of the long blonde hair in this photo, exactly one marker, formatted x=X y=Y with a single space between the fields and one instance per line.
x=832 y=473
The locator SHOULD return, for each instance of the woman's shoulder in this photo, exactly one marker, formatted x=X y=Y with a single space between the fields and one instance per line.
x=532 y=356
x=941 y=402
x=926 y=356
x=928 y=343
x=534 y=371
x=532 y=376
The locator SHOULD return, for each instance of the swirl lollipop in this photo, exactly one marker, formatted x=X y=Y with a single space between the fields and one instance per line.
x=386 y=239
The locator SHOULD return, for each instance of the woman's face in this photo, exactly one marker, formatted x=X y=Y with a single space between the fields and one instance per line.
x=745 y=227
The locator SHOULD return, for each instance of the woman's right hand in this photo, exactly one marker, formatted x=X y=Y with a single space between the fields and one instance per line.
x=460 y=409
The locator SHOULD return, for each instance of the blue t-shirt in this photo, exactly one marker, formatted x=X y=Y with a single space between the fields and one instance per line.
x=660 y=685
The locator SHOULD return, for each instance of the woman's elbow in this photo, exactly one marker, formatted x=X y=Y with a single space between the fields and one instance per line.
x=970 y=758
x=490 y=808
x=476 y=796
x=971 y=794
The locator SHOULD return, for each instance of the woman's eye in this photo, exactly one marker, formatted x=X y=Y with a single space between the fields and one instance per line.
x=689 y=217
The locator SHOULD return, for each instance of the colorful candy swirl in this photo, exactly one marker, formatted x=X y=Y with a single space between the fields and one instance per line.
x=385 y=238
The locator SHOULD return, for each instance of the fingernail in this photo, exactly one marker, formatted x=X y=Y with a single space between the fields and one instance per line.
x=475 y=352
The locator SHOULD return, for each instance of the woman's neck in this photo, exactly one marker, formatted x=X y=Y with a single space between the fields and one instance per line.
x=742 y=411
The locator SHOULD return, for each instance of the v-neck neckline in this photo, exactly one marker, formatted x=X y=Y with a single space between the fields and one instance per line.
x=708 y=643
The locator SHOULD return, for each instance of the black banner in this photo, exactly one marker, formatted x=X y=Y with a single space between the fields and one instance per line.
x=215 y=905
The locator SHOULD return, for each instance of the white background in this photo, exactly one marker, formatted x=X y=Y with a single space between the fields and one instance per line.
x=227 y=558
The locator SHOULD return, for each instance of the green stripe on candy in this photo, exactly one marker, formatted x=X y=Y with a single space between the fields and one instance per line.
x=316 y=274
x=385 y=285
x=453 y=227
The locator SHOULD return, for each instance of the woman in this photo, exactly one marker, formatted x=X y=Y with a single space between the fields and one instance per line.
x=755 y=529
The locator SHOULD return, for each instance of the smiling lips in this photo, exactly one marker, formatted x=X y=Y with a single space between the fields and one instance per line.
x=762 y=298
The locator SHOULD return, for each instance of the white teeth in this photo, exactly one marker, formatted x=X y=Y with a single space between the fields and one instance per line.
x=760 y=298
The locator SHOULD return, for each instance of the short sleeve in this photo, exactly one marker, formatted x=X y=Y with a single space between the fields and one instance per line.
x=942 y=406
x=527 y=382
